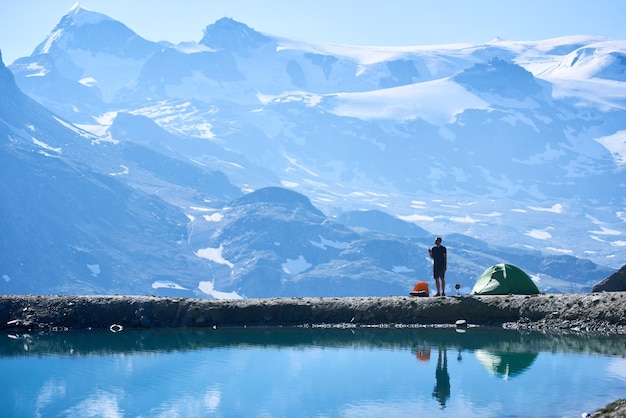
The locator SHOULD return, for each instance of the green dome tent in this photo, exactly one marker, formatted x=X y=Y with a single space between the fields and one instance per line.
x=502 y=279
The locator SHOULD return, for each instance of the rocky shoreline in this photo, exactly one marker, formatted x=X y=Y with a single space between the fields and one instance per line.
x=603 y=313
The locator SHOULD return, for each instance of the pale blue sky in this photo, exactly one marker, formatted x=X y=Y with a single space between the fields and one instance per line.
x=25 y=23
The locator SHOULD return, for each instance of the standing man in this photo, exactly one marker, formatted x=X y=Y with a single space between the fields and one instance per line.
x=440 y=263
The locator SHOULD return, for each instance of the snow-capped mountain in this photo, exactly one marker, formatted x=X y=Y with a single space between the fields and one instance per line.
x=519 y=144
x=98 y=52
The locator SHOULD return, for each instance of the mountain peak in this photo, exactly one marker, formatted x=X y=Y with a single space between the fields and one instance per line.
x=277 y=196
x=75 y=20
x=79 y=15
x=87 y=30
x=74 y=7
x=233 y=36
x=497 y=76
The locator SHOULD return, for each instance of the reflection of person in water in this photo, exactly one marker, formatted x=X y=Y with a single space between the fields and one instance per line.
x=441 y=391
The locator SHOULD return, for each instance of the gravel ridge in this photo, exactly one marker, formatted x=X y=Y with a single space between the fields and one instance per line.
x=586 y=313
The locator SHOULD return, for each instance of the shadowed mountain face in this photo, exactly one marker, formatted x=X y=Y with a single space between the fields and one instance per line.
x=67 y=229
x=68 y=226
x=512 y=151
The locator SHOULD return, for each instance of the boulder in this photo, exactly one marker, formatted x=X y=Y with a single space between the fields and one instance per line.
x=616 y=282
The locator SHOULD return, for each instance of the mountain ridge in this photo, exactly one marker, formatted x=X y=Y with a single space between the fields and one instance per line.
x=506 y=143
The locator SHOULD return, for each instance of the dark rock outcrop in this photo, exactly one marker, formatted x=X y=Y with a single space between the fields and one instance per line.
x=616 y=282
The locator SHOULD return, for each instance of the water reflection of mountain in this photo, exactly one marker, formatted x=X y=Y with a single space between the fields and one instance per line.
x=490 y=340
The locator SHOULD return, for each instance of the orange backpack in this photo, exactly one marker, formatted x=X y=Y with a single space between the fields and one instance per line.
x=420 y=289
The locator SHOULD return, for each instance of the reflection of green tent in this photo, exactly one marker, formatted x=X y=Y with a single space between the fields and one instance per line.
x=505 y=365
x=502 y=279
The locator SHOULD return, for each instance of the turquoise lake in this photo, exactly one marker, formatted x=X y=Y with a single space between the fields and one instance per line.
x=286 y=372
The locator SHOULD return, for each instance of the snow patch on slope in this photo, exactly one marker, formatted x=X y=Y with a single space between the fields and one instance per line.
x=45 y=146
x=323 y=243
x=209 y=289
x=296 y=266
x=214 y=254
x=616 y=145
x=429 y=101
x=167 y=285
